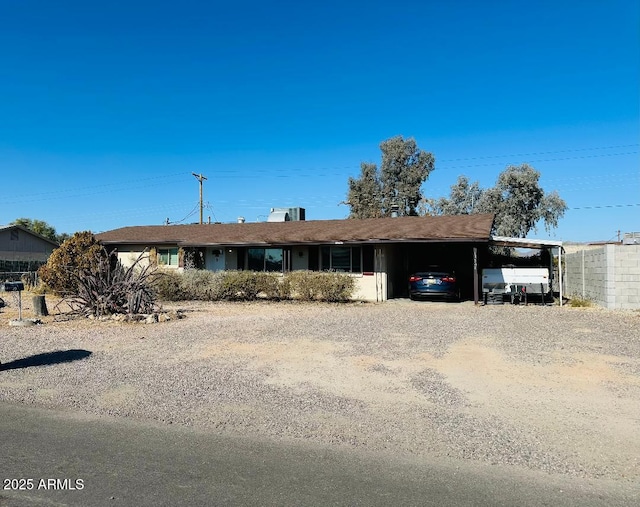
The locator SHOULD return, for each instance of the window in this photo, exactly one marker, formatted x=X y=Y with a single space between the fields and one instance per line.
x=15 y=235
x=168 y=256
x=264 y=259
x=347 y=259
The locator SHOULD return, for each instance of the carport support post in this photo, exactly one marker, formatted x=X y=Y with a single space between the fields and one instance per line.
x=475 y=275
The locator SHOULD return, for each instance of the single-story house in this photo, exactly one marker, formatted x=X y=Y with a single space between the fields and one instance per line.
x=380 y=252
x=23 y=250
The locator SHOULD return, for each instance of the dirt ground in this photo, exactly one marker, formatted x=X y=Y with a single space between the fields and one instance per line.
x=556 y=389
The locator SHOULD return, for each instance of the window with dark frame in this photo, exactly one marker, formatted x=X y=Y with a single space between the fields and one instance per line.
x=344 y=259
x=265 y=259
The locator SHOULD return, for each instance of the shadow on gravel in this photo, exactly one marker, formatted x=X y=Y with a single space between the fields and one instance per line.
x=48 y=358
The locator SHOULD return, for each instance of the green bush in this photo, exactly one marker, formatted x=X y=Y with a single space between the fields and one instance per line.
x=320 y=286
x=239 y=286
x=200 y=284
x=335 y=287
x=273 y=286
x=249 y=285
x=303 y=285
x=169 y=285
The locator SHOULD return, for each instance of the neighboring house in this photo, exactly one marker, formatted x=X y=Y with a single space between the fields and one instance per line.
x=23 y=250
x=379 y=252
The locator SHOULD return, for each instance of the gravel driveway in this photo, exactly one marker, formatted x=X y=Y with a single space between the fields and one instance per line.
x=546 y=388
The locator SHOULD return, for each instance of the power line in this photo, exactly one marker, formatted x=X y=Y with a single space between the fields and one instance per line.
x=608 y=206
x=305 y=172
x=191 y=213
x=582 y=157
x=536 y=153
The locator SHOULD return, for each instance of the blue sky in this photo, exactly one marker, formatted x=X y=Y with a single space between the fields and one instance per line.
x=106 y=108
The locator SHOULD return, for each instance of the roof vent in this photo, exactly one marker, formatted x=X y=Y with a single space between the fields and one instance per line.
x=241 y=220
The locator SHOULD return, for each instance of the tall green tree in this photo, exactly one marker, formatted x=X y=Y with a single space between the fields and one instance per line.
x=396 y=186
x=464 y=199
x=517 y=200
x=365 y=193
x=38 y=226
x=405 y=167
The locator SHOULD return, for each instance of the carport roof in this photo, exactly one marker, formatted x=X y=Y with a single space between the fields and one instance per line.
x=458 y=228
x=524 y=242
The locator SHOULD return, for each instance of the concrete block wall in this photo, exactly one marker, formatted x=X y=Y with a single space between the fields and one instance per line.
x=627 y=277
x=609 y=276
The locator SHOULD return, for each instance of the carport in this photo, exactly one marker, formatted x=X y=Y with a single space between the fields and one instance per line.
x=466 y=258
x=460 y=256
x=539 y=244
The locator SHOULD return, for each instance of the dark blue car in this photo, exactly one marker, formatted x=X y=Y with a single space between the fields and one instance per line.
x=434 y=284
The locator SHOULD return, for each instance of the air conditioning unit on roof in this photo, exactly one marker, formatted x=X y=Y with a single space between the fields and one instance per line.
x=631 y=238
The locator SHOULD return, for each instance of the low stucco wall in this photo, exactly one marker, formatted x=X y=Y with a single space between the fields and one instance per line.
x=609 y=276
x=367 y=287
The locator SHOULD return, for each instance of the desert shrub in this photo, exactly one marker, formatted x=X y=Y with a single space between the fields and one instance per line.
x=79 y=253
x=169 y=285
x=200 y=284
x=191 y=284
x=580 y=302
x=335 y=287
x=238 y=286
x=273 y=286
x=322 y=286
x=248 y=285
x=303 y=285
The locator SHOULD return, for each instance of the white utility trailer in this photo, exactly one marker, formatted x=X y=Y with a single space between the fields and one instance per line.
x=517 y=283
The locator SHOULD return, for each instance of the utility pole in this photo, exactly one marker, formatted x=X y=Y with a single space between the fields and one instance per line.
x=200 y=178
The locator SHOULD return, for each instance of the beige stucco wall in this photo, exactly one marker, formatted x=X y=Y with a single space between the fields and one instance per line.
x=374 y=286
x=366 y=288
x=129 y=256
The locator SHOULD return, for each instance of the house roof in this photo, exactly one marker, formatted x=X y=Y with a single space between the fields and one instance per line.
x=462 y=228
x=28 y=231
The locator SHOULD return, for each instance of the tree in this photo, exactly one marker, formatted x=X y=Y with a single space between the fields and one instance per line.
x=396 y=186
x=517 y=200
x=78 y=253
x=404 y=169
x=365 y=193
x=38 y=226
x=463 y=199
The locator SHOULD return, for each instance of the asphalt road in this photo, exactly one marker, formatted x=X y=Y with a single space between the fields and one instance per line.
x=79 y=460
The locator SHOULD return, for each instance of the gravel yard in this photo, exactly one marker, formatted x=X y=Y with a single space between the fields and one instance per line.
x=546 y=388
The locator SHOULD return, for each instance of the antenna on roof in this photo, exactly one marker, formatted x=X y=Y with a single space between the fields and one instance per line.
x=200 y=178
